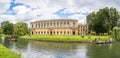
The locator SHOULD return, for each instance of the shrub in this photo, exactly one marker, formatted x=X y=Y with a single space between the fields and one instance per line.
x=116 y=33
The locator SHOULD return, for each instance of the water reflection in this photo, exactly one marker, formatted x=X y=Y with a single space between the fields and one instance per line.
x=37 y=49
x=104 y=51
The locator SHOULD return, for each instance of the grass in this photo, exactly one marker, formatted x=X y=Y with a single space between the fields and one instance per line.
x=6 y=53
x=3 y=35
x=64 y=37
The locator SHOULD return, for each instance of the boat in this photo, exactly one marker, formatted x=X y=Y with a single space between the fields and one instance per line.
x=103 y=42
x=13 y=39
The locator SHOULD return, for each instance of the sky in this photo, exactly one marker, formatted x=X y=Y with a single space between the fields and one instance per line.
x=35 y=10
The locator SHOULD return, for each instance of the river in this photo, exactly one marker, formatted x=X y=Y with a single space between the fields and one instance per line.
x=38 y=49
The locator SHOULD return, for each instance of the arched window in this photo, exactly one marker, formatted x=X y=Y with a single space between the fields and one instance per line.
x=36 y=32
x=47 y=32
x=57 y=32
x=41 y=32
x=44 y=32
x=60 y=32
x=54 y=32
x=67 y=32
x=32 y=33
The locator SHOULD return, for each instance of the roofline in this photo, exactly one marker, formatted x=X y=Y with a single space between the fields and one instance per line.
x=55 y=20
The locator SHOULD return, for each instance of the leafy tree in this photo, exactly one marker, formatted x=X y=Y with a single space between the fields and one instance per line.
x=104 y=20
x=21 y=28
x=116 y=33
x=0 y=31
x=8 y=28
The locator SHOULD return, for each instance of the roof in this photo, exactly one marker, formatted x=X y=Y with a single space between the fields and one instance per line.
x=55 y=20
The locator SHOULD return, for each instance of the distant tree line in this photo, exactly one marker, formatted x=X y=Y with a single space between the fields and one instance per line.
x=20 y=28
x=103 y=20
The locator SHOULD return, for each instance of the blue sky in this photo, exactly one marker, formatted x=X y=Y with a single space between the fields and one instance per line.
x=34 y=10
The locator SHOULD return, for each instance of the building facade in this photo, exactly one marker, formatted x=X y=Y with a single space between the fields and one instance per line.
x=55 y=27
x=82 y=29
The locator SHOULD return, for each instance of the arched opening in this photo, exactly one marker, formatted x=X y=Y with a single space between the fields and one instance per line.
x=50 y=32
x=73 y=32
x=32 y=33
x=67 y=32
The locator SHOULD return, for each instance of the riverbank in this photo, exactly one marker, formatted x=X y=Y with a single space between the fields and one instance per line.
x=6 y=53
x=3 y=35
x=64 y=38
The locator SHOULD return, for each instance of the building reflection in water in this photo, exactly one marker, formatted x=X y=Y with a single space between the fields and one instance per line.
x=60 y=50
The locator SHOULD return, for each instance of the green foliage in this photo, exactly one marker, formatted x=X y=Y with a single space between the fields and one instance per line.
x=116 y=33
x=104 y=20
x=6 y=53
x=1 y=30
x=21 y=28
x=8 y=28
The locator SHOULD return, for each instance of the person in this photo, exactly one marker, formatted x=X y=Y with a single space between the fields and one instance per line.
x=110 y=39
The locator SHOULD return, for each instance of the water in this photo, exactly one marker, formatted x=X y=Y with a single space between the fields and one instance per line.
x=37 y=49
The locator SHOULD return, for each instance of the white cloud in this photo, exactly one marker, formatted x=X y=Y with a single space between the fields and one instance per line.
x=4 y=4
x=46 y=8
x=81 y=18
x=21 y=9
x=24 y=13
x=10 y=18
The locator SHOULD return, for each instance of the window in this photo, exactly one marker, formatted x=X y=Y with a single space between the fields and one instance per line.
x=57 y=24
x=73 y=23
x=32 y=25
x=47 y=24
x=44 y=24
x=68 y=23
x=39 y=25
x=36 y=25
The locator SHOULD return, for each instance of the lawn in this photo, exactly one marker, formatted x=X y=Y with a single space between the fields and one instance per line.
x=3 y=35
x=6 y=53
x=64 y=37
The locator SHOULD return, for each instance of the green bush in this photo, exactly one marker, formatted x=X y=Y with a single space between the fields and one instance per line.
x=116 y=33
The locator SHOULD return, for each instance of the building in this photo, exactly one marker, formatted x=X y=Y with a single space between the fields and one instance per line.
x=57 y=27
x=82 y=29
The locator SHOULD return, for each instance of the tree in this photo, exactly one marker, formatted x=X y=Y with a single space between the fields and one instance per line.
x=104 y=20
x=116 y=33
x=0 y=31
x=8 y=28
x=21 y=28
